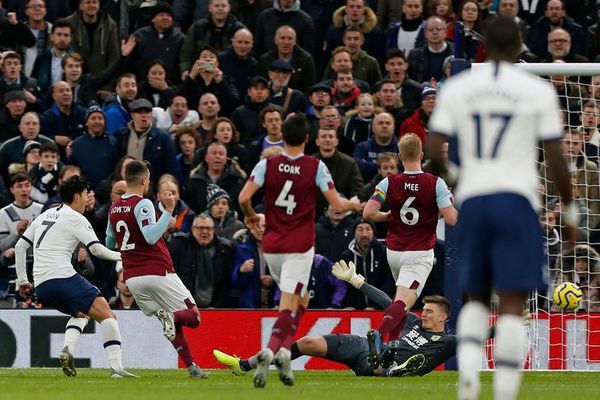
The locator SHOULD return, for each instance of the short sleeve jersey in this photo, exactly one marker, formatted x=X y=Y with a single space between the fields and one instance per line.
x=54 y=235
x=291 y=186
x=414 y=200
x=498 y=114
x=139 y=257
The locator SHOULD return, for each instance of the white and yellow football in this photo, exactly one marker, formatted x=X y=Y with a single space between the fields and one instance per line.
x=567 y=296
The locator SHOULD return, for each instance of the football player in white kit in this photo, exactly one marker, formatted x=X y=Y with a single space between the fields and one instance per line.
x=54 y=235
x=498 y=116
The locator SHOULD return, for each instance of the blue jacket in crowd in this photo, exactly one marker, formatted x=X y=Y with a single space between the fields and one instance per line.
x=96 y=156
x=366 y=153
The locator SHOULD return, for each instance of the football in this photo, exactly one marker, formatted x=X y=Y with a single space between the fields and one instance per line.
x=567 y=296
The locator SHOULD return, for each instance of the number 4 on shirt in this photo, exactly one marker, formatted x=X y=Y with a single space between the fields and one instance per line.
x=285 y=199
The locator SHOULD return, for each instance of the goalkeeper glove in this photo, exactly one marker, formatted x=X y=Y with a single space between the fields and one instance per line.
x=347 y=272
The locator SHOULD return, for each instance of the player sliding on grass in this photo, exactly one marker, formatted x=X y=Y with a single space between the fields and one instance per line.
x=420 y=348
x=54 y=236
x=291 y=182
x=415 y=199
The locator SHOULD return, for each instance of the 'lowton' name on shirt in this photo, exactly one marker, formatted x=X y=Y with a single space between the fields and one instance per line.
x=289 y=169
x=121 y=209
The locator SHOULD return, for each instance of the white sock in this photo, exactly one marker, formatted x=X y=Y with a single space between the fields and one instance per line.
x=73 y=329
x=472 y=331
x=510 y=335
x=109 y=329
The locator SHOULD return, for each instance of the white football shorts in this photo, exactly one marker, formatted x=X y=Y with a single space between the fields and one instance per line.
x=153 y=292
x=411 y=268
x=291 y=271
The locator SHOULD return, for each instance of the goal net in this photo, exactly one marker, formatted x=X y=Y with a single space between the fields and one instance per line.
x=561 y=340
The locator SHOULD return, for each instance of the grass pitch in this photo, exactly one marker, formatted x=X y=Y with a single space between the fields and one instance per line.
x=96 y=384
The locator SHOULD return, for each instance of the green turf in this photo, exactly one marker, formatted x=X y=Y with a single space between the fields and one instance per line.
x=91 y=384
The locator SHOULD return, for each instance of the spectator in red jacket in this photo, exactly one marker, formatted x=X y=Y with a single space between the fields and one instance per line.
x=417 y=123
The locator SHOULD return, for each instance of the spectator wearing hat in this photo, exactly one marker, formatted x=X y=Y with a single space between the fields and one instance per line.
x=206 y=77
x=215 y=31
x=11 y=151
x=31 y=156
x=95 y=152
x=203 y=261
x=237 y=61
x=304 y=72
x=13 y=78
x=319 y=96
x=215 y=169
x=64 y=121
x=417 y=123
x=158 y=41
x=247 y=116
x=47 y=68
x=116 y=105
x=284 y=12
x=369 y=256
x=95 y=36
x=218 y=207
x=15 y=106
x=143 y=141
x=291 y=100
x=334 y=232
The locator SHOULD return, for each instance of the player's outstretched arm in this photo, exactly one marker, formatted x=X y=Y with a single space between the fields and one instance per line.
x=145 y=215
x=347 y=272
x=100 y=251
x=450 y=215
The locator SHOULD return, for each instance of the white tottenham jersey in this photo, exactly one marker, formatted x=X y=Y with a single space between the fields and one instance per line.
x=499 y=115
x=54 y=235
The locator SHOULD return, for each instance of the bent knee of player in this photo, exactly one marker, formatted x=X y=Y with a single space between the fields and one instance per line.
x=312 y=346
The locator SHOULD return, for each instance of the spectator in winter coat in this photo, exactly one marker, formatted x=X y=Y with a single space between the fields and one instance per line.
x=218 y=170
x=382 y=141
x=225 y=219
x=95 y=152
x=237 y=61
x=116 y=106
x=290 y=100
x=284 y=12
x=158 y=41
x=369 y=256
x=215 y=31
x=344 y=171
x=204 y=261
x=95 y=36
x=206 y=77
x=247 y=117
x=143 y=141
x=417 y=123
x=250 y=274
x=333 y=233
x=304 y=73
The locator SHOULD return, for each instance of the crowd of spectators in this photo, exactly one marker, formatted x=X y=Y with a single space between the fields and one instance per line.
x=201 y=88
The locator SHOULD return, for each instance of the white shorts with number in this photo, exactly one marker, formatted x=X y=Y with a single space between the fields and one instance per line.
x=153 y=292
x=291 y=271
x=410 y=268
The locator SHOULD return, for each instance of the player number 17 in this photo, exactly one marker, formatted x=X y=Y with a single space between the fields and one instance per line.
x=481 y=124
